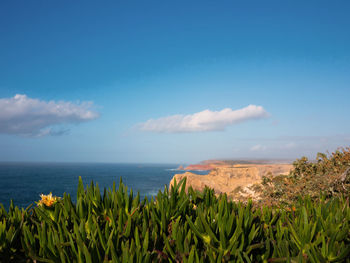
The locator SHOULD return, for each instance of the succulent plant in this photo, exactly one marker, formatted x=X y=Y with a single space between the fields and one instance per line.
x=174 y=226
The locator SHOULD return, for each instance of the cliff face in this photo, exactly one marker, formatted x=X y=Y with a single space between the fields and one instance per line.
x=236 y=180
x=197 y=167
x=206 y=165
x=180 y=168
x=212 y=164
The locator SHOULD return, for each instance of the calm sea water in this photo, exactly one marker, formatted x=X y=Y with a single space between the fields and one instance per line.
x=24 y=182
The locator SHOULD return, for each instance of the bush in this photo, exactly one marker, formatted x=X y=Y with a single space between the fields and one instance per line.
x=328 y=175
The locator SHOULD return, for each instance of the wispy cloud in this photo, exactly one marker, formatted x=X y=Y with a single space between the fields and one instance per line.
x=257 y=148
x=290 y=145
x=203 y=121
x=21 y=115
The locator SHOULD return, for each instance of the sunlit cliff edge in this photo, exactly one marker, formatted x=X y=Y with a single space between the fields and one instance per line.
x=236 y=180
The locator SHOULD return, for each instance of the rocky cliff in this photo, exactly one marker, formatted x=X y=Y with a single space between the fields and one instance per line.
x=206 y=165
x=237 y=180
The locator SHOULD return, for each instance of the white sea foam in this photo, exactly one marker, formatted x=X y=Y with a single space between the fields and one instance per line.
x=152 y=193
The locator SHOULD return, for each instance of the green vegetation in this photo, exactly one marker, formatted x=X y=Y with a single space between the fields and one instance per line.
x=176 y=226
x=329 y=175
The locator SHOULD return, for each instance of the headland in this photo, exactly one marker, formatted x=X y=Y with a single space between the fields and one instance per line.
x=235 y=178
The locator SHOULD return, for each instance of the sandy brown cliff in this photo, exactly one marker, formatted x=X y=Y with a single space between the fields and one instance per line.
x=233 y=179
x=212 y=164
x=207 y=165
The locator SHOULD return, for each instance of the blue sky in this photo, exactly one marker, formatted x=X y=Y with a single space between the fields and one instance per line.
x=165 y=81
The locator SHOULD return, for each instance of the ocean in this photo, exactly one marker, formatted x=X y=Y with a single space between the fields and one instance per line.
x=24 y=182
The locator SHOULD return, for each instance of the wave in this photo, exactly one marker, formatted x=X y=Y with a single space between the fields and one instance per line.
x=151 y=193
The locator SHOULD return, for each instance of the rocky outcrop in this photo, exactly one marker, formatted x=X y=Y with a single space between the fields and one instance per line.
x=199 y=167
x=237 y=179
x=180 y=168
x=206 y=165
x=212 y=164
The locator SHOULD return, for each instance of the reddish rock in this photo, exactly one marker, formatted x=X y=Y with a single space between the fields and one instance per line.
x=180 y=168
x=195 y=167
x=207 y=165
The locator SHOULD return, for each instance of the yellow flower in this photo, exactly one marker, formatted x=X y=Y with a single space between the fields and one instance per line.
x=48 y=200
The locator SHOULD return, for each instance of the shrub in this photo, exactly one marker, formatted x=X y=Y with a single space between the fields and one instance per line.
x=329 y=175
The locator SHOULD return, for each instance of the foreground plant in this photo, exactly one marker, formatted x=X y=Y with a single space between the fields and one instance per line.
x=175 y=226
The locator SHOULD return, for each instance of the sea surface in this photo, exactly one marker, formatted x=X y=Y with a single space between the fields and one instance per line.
x=24 y=182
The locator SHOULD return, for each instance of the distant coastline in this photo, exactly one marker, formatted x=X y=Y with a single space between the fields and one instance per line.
x=209 y=165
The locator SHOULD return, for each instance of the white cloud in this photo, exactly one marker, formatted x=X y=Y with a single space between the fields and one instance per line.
x=22 y=115
x=290 y=145
x=204 y=121
x=257 y=148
